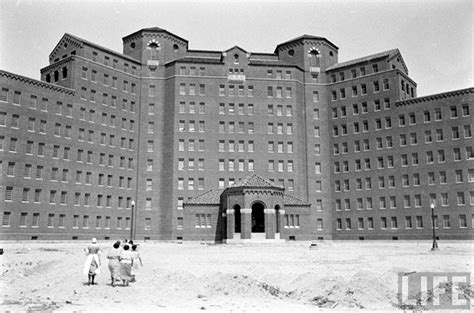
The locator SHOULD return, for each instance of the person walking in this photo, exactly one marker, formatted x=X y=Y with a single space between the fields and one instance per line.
x=93 y=263
x=114 y=263
x=126 y=262
x=137 y=262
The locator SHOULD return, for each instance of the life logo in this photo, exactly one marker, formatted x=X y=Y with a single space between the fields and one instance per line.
x=435 y=290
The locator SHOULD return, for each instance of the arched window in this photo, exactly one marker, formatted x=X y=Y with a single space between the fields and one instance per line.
x=64 y=72
x=153 y=50
x=48 y=78
x=56 y=76
x=314 y=58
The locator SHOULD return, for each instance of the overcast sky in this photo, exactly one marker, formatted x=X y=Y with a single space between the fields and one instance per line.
x=435 y=37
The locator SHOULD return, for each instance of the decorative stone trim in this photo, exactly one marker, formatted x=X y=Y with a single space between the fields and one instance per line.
x=38 y=83
x=229 y=211
x=269 y=211
x=435 y=97
x=247 y=211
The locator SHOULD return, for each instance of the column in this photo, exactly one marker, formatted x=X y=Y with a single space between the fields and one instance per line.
x=230 y=223
x=246 y=219
x=269 y=223
x=282 y=222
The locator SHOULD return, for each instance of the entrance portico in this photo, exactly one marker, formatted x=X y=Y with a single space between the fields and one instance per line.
x=255 y=210
x=252 y=204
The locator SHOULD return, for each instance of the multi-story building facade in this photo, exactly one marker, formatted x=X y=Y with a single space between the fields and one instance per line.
x=208 y=144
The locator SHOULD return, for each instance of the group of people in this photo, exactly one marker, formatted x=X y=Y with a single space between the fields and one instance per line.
x=124 y=262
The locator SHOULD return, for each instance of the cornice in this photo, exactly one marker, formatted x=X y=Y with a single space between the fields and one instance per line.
x=37 y=83
x=438 y=96
x=56 y=64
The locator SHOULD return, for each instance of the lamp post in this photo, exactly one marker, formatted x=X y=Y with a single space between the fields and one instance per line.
x=132 y=222
x=435 y=244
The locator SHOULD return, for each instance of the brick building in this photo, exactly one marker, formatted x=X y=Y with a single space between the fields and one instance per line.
x=230 y=145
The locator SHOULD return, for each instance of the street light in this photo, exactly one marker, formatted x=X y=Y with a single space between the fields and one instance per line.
x=132 y=220
x=435 y=244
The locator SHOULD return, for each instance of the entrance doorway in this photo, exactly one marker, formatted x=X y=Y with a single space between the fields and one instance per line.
x=258 y=218
x=237 y=219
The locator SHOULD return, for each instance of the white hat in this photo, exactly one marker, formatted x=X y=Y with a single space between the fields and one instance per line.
x=94 y=240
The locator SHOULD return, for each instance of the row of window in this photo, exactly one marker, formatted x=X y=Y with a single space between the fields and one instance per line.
x=114 y=63
x=81 y=155
x=455 y=131
x=361 y=71
x=233 y=90
x=27 y=219
x=126 y=105
x=428 y=115
x=63 y=175
x=410 y=222
x=55 y=74
x=202 y=220
x=385 y=202
x=193 y=71
x=280 y=128
x=32 y=102
x=279 y=147
x=362 y=90
x=92 y=75
x=186 y=145
x=191 y=90
x=232 y=146
x=190 y=165
x=13 y=144
x=192 y=107
x=457 y=152
x=389 y=162
x=40 y=125
x=406 y=180
x=240 y=109
x=276 y=165
x=405 y=87
x=289 y=184
x=278 y=74
x=279 y=110
x=62 y=197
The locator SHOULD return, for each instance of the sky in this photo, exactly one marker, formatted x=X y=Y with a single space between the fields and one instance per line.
x=435 y=37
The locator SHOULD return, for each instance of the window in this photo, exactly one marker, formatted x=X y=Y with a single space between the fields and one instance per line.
x=454 y=112
x=269 y=91
x=460 y=198
x=376 y=86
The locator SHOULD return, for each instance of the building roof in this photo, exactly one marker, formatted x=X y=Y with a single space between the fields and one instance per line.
x=98 y=47
x=255 y=180
x=305 y=37
x=236 y=47
x=272 y=63
x=291 y=200
x=36 y=82
x=212 y=196
x=388 y=53
x=437 y=96
x=198 y=60
x=154 y=30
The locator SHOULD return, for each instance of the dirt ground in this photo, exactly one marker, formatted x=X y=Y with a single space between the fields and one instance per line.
x=334 y=276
